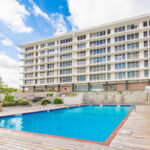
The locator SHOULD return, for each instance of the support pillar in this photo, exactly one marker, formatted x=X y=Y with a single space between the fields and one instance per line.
x=72 y=87
x=106 y=86
x=126 y=85
x=23 y=89
x=34 y=89
x=89 y=87
x=58 y=88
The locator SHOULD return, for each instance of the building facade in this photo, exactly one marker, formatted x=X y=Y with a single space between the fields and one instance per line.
x=114 y=56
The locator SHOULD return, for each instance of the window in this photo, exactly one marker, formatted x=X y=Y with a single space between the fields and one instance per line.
x=108 y=67
x=81 y=37
x=66 y=64
x=29 y=55
x=120 y=57
x=132 y=26
x=81 y=70
x=42 y=45
x=120 y=38
x=66 y=71
x=51 y=44
x=42 y=81
x=120 y=66
x=28 y=82
x=146 y=53
x=145 y=43
x=42 y=60
x=108 y=40
x=98 y=68
x=96 y=34
x=42 y=74
x=108 y=76
x=29 y=48
x=81 y=54
x=146 y=73
x=108 y=31
x=65 y=79
x=50 y=51
x=145 y=63
x=133 y=74
x=145 y=34
x=98 y=60
x=50 y=59
x=50 y=73
x=29 y=75
x=108 y=49
x=66 y=56
x=120 y=29
x=120 y=48
x=42 y=67
x=98 y=77
x=66 y=48
x=145 y=24
x=132 y=45
x=81 y=62
x=66 y=41
x=29 y=62
x=133 y=55
x=50 y=66
x=81 y=88
x=108 y=58
x=50 y=80
x=133 y=65
x=29 y=69
x=42 y=53
x=81 y=78
x=96 y=43
x=120 y=75
x=133 y=36
x=82 y=45
x=98 y=51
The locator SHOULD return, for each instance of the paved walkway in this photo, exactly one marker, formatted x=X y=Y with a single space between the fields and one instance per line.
x=134 y=135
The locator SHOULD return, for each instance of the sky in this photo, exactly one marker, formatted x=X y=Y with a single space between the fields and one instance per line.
x=23 y=21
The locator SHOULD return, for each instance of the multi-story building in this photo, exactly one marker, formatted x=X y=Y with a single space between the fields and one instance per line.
x=113 y=56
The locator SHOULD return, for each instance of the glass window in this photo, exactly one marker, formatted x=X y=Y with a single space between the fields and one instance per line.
x=120 y=29
x=132 y=26
x=98 y=77
x=133 y=74
x=96 y=43
x=145 y=24
x=82 y=45
x=96 y=34
x=97 y=51
x=98 y=68
x=65 y=79
x=81 y=70
x=81 y=37
x=120 y=75
x=145 y=63
x=146 y=73
x=120 y=66
x=81 y=88
x=66 y=71
x=81 y=62
x=98 y=60
x=81 y=78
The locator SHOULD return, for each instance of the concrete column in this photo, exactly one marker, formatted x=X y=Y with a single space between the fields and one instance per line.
x=58 y=88
x=89 y=87
x=126 y=85
x=72 y=87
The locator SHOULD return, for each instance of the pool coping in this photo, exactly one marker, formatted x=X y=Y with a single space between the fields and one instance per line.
x=106 y=143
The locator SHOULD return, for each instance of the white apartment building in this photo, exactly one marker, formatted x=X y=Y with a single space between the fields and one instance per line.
x=113 y=56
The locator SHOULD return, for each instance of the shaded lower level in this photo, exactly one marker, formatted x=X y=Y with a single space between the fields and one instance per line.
x=131 y=86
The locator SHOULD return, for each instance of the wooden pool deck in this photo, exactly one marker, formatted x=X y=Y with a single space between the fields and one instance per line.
x=134 y=135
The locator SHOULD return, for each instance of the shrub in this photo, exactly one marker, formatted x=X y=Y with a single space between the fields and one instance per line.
x=120 y=91
x=52 y=90
x=49 y=95
x=72 y=95
x=45 y=102
x=57 y=101
x=22 y=102
x=9 y=103
x=9 y=98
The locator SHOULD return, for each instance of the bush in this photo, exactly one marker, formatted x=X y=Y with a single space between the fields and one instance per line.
x=45 y=102
x=9 y=103
x=49 y=95
x=52 y=90
x=9 y=98
x=57 y=101
x=22 y=102
x=72 y=95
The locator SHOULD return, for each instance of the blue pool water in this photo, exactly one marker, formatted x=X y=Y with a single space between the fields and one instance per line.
x=95 y=123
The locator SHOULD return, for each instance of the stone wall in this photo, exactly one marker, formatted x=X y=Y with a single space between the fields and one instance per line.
x=126 y=97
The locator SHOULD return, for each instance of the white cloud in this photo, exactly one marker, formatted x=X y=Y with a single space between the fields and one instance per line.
x=87 y=13
x=5 y=40
x=13 y=14
x=9 y=71
x=55 y=19
x=59 y=23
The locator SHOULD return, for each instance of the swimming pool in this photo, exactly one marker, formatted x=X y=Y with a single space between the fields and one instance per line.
x=94 y=123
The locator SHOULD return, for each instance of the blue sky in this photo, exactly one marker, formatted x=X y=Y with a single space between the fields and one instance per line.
x=23 y=21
